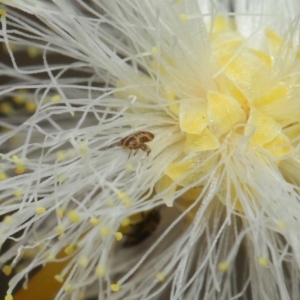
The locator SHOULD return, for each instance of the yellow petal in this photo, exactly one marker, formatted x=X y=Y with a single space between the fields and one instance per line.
x=263 y=127
x=247 y=72
x=262 y=56
x=222 y=23
x=190 y=169
x=223 y=112
x=201 y=142
x=279 y=146
x=278 y=94
x=193 y=115
x=166 y=187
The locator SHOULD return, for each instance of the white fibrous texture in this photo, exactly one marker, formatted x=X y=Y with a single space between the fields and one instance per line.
x=150 y=149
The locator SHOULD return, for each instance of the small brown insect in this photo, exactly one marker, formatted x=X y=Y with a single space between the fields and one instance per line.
x=143 y=229
x=137 y=140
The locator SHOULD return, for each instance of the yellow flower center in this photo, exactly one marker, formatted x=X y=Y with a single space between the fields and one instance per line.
x=252 y=100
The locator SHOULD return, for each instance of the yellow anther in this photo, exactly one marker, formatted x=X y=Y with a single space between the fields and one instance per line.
x=263 y=261
x=110 y=202
x=50 y=257
x=127 y=201
x=83 y=149
x=83 y=261
x=56 y=98
x=20 y=169
x=18 y=193
x=183 y=17
x=3 y=12
x=281 y=225
x=68 y=288
x=15 y=159
x=62 y=178
x=59 y=229
x=125 y=222
x=60 y=155
x=60 y=212
x=94 y=221
x=3 y=176
x=100 y=271
x=6 y=108
x=121 y=195
x=7 y=270
x=30 y=107
x=61 y=236
x=8 y=220
x=40 y=210
x=19 y=98
x=69 y=249
x=73 y=216
x=129 y=167
x=104 y=231
x=118 y=236
x=13 y=47
x=154 y=51
x=8 y=297
x=160 y=277
x=115 y=287
x=59 y=278
x=32 y=52
x=223 y=266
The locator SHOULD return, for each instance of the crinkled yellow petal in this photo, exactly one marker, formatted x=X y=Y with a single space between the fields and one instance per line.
x=193 y=115
x=162 y=186
x=222 y=23
x=262 y=56
x=228 y=88
x=262 y=127
x=278 y=94
x=226 y=47
x=201 y=142
x=279 y=146
x=223 y=112
x=197 y=165
x=247 y=72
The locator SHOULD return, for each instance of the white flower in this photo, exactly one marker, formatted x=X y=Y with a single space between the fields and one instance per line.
x=217 y=84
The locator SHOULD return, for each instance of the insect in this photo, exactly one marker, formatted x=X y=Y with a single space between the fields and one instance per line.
x=142 y=230
x=137 y=140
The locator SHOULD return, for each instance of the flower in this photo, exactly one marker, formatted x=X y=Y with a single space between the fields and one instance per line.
x=160 y=156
